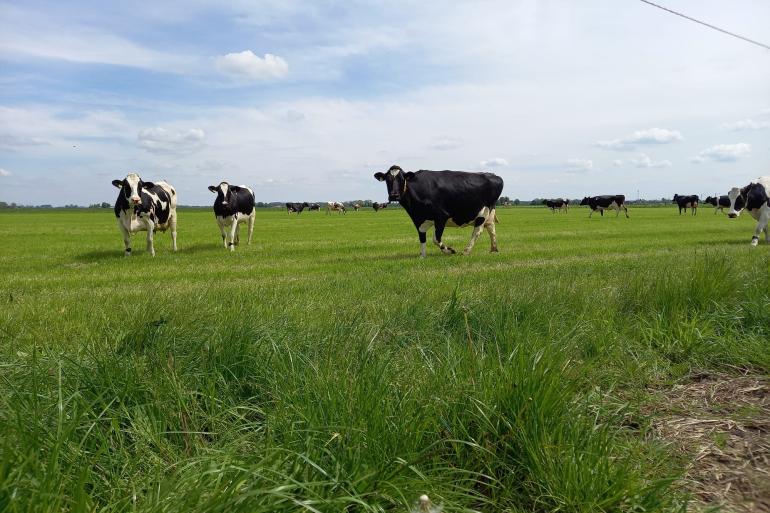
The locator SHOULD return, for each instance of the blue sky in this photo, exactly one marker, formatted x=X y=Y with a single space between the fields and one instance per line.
x=306 y=100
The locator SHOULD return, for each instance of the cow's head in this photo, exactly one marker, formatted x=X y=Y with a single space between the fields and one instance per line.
x=545 y=202
x=584 y=201
x=711 y=200
x=396 y=180
x=737 y=197
x=131 y=187
x=676 y=198
x=223 y=191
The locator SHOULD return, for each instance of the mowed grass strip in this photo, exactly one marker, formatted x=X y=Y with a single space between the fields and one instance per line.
x=327 y=368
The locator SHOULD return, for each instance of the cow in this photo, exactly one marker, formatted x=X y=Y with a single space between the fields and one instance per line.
x=441 y=198
x=756 y=199
x=296 y=207
x=379 y=206
x=557 y=204
x=233 y=206
x=314 y=206
x=145 y=206
x=722 y=202
x=600 y=203
x=685 y=202
x=356 y=207
x=336 y=206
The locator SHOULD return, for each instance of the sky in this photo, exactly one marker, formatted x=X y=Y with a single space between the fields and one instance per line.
x=305 y=101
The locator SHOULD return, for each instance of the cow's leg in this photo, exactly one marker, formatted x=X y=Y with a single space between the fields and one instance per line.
x=150 y=236
x=233 y=229
x=601 y=211
x=489 y=225
x=625 y=208
x=437 y=233
x=762 y=222
x=617 y=211
x=591 y=213
x=221 y=223
x=478 y=225
x=237 y=233
x=252 y=217
x=172 y=222
x=422 y=236
x=126 y=238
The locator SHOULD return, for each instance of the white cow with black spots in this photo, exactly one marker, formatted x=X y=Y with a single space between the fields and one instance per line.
x=756 y=199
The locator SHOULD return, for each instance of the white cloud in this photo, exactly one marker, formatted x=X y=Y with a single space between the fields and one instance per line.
x=446 y=143
x=494 y=162
x=650 y=136
x=723 y=153
x=578 y=165
x=642 y=161
x=5 y=172
x=162 y=140
x=246 y=65
x=746 y=124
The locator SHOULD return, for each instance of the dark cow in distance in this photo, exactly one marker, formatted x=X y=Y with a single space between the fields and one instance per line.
x=314 y=206
x=685 y=202
x=441 y=198
x=145 y=206
x=722 y=202
x=601 y=203
x=755 y=198
x=296 y=207
x=233 y=206
x=379 y=206
x=557 y=204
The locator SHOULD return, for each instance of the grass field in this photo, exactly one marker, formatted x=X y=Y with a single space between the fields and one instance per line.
x=327 y=368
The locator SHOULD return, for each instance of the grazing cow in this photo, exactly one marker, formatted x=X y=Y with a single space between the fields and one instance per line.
x=685 y=202
x=601 y=203
x=441 y=198
x=356 y=207
x=314 y=206
x=756 y=199
x=234 y=205
x=722 y=202
x=336 y=206
x=557 y=204
x=379 y=206
x=296 y=207
x=145 y=206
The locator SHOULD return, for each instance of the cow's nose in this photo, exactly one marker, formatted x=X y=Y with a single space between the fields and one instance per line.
x=135 y=201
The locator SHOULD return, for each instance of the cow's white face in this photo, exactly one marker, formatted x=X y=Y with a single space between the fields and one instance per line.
x=222 y=191
x=131 y=187
x=736 y=205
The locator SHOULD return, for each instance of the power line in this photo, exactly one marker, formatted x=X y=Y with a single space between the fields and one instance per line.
x=708 y=25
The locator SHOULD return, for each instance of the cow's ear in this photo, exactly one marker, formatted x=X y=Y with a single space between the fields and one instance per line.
x=117 y=183
x=212 y=188
x=380 y=176
x=408 y=175
x=147 y=185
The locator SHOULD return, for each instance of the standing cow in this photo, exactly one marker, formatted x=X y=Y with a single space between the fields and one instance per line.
x=335 y=206
x=234 y=205
x=722 y=202
x=145 y=206
x=379 y=206
x=296 y=207
x=356 y=206
x=557 y=204
x=441 y=198
x=601 y=203
x=314 y=206
x=685 y=202
x=756 y=199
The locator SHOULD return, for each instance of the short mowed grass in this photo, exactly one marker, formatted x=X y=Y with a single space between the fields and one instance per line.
x=327 y=368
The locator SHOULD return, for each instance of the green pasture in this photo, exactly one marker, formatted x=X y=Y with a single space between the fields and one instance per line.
x=327 y=368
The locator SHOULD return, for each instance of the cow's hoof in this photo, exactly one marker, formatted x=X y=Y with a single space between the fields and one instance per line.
x=493 y=250
x=754 y=242
x=466 y=252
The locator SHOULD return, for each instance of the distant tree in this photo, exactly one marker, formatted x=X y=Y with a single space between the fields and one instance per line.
x=105 y=204
x=516 y=201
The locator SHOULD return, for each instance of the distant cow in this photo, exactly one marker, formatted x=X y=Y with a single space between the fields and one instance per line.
x=233 y=206
x=379 y=206
x=557 y=204
x=295 y=207
x=335 y=206
x=722 y=202
x=314 y=206
x=356 y=207
x=756 y=199
x=685 y=202
x=601 y=203
x=145 y=206
x=441 y=198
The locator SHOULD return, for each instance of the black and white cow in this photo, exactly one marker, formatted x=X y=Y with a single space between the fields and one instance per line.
x=557 y=204
x=756 y=199
x=441 y=198
x=296 y=207
x=356 y=207
x=601 y=203
x=335 y=206
x=379 y=206
x=685 y=202
x=234 y=205
x=722 y=202
x=314 y=206
x=145 y=206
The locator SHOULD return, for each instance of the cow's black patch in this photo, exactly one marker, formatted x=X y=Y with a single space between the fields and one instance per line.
x=239 y=200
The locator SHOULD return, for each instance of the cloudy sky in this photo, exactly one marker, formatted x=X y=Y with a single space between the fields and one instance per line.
x=306 y=100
